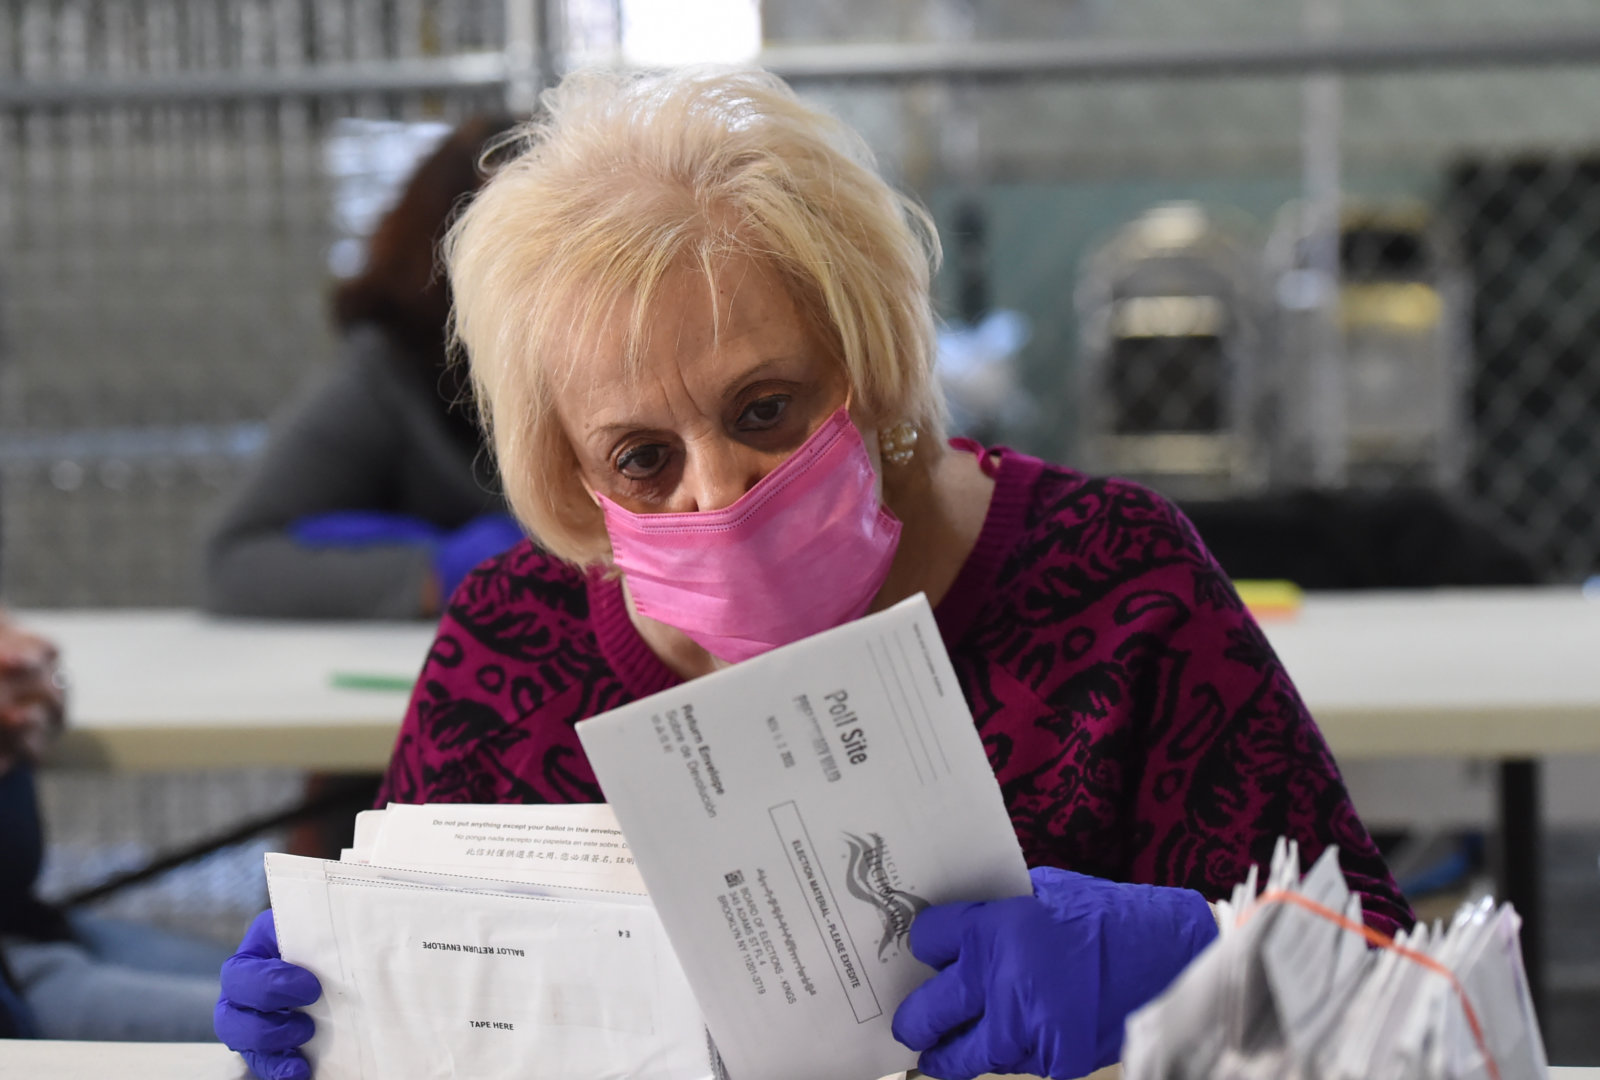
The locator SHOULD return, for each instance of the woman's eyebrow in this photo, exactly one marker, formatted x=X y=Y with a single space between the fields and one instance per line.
x=736 y=383
x=610 y=430
x=608 y=433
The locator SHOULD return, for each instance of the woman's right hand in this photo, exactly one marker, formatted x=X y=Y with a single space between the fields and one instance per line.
x=257 y=1014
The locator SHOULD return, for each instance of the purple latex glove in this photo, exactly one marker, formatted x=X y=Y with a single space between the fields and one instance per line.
x=363 y=528
x=1042 y=984
x=257 y=1012
x=481 y=538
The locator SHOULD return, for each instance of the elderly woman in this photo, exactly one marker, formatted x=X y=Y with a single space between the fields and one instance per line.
x=700 y=329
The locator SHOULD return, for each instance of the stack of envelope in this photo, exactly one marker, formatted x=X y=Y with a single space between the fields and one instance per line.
x=791 y=815
x=1294 y=988
x=487 y=941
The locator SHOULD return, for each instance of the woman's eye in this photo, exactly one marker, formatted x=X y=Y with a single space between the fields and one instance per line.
x=763 y=413
x=642 y=462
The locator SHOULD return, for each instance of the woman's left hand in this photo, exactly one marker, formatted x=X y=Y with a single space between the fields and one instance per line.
x=1042 y=984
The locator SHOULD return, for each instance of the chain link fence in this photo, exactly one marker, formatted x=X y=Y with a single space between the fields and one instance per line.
x=177 y=184
x=99 y=827
x=166 y=257
x=1464 y=311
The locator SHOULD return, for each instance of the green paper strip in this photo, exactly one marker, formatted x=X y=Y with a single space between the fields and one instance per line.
x=358 y=680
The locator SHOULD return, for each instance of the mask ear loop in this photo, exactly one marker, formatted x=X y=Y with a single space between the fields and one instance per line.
x=849 y=400
x=1383 y=941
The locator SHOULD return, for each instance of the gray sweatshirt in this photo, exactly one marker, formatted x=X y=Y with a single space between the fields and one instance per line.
x=370 y=435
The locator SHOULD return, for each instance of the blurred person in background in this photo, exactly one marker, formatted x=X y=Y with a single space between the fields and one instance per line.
x=64 y=975
x=374 y=496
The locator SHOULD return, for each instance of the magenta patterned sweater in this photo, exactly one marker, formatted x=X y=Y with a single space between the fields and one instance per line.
x=1139 y=724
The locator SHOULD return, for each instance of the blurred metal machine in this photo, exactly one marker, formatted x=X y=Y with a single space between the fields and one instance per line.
x=1169 y=379
x=1400 y=344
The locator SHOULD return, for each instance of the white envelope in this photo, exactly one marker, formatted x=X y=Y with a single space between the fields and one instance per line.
x=577 y=845
x=437 y=975
x=791 y=815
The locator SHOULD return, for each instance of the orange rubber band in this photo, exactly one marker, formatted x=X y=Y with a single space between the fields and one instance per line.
x=1383 y=941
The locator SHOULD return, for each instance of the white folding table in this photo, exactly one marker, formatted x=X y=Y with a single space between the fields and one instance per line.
x=1501 y=674
x=173 y=689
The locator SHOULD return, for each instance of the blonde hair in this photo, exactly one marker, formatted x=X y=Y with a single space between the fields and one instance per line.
x=628 y=176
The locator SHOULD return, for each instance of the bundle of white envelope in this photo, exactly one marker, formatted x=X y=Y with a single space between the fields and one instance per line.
x=1291 y=989
x=792 y=814
x=487 y=941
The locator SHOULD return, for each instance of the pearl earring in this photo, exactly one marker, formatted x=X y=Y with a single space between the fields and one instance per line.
x=897 y=444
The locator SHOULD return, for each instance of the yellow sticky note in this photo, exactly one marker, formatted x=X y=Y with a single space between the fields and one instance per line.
x=1270 y=599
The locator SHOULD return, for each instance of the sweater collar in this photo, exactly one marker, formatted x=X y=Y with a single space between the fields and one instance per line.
x=1014 y=478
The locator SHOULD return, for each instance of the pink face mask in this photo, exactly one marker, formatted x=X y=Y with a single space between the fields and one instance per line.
x=804 y=550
